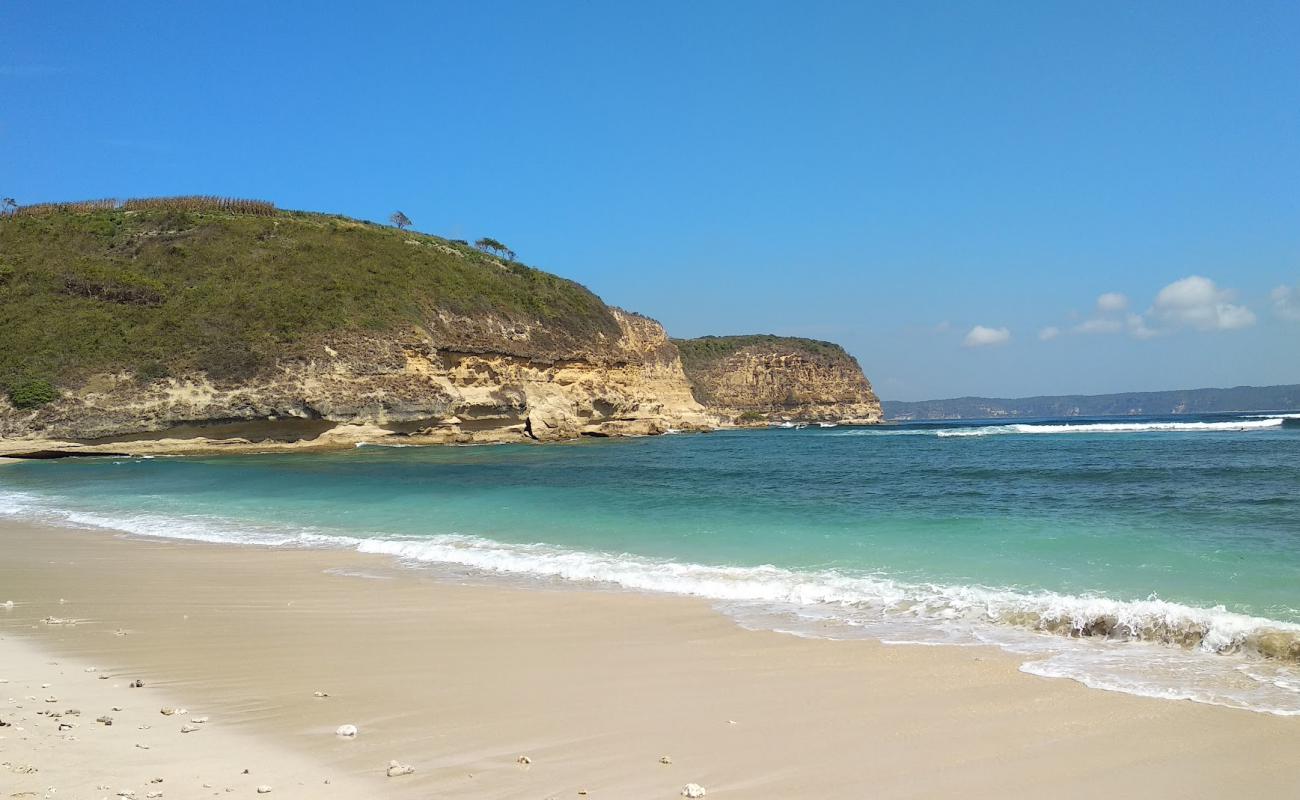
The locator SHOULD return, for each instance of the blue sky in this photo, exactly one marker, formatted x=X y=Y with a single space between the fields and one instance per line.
x=934 y=185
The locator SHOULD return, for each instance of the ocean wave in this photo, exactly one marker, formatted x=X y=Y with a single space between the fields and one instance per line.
x=881 y=606
x=1215 y=630
x=1115 y=427
x=1240 y=425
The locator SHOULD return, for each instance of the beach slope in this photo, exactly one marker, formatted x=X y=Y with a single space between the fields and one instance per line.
x=492 y=691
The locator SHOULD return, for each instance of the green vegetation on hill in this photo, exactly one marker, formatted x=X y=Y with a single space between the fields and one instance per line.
x=707 y=350
x=160 y=289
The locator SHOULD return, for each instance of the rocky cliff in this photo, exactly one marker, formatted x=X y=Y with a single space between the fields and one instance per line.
x=163 y=330
x=759 y=379
x=376 y=389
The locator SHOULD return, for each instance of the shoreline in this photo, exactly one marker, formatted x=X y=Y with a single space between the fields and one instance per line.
x=342 y=437
x=593 y=687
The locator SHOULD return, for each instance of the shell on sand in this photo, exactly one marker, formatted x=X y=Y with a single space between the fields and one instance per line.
x=396 y=768
x=346 y=731
x=693 y=790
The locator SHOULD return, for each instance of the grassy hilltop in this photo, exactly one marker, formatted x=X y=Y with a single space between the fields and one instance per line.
x=166 y=288
x=706 y=351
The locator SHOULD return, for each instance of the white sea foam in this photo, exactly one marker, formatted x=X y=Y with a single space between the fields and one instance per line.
x=1115 y=427
x=1150 y=647
x=1239 y=425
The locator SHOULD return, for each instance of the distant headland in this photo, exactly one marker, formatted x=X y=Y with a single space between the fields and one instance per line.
x=1177 y=401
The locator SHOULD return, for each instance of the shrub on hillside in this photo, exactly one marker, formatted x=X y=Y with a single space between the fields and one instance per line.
x=32 y=393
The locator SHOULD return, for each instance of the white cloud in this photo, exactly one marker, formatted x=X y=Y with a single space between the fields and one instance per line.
x=981 y=336
x=1099 y=325
x=1112 y=301
x=1196 y=302
x=1137 y=326
x=1286 y=302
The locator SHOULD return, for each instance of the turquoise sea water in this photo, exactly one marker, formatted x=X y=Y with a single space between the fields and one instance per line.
x=1155 y=556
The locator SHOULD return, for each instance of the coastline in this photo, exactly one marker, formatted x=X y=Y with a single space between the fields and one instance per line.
x=460 y=679
x=343 y=436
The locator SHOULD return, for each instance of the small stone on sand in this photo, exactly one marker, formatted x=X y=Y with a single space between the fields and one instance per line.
x=188 y=728
x=395 y=769
x=320 y=694
x=665 y=760
x=136 y=684
x=264 y=789
x=693 y=790
x=524 y=760
x=346 y=731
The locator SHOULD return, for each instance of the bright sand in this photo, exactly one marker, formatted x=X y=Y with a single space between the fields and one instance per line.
x=593 y=687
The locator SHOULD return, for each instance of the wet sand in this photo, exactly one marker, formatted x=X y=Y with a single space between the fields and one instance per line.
x=459 y=680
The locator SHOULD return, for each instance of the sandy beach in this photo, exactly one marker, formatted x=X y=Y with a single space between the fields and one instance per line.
x=492 y=691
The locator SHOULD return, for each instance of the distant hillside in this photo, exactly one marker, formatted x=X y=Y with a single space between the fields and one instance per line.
x=751 y=379
x=1179 y=401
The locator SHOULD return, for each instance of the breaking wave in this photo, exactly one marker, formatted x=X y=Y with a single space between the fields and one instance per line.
x=1238 y=425
x=1150 y=647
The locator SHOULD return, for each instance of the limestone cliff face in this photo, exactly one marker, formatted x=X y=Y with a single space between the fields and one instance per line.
x=756 y=379
x=478 y=379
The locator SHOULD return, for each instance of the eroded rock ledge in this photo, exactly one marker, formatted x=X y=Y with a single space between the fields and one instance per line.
x=379 y=389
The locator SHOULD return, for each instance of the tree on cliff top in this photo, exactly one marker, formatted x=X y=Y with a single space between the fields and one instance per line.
x=400 y=220
x=489 y=245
